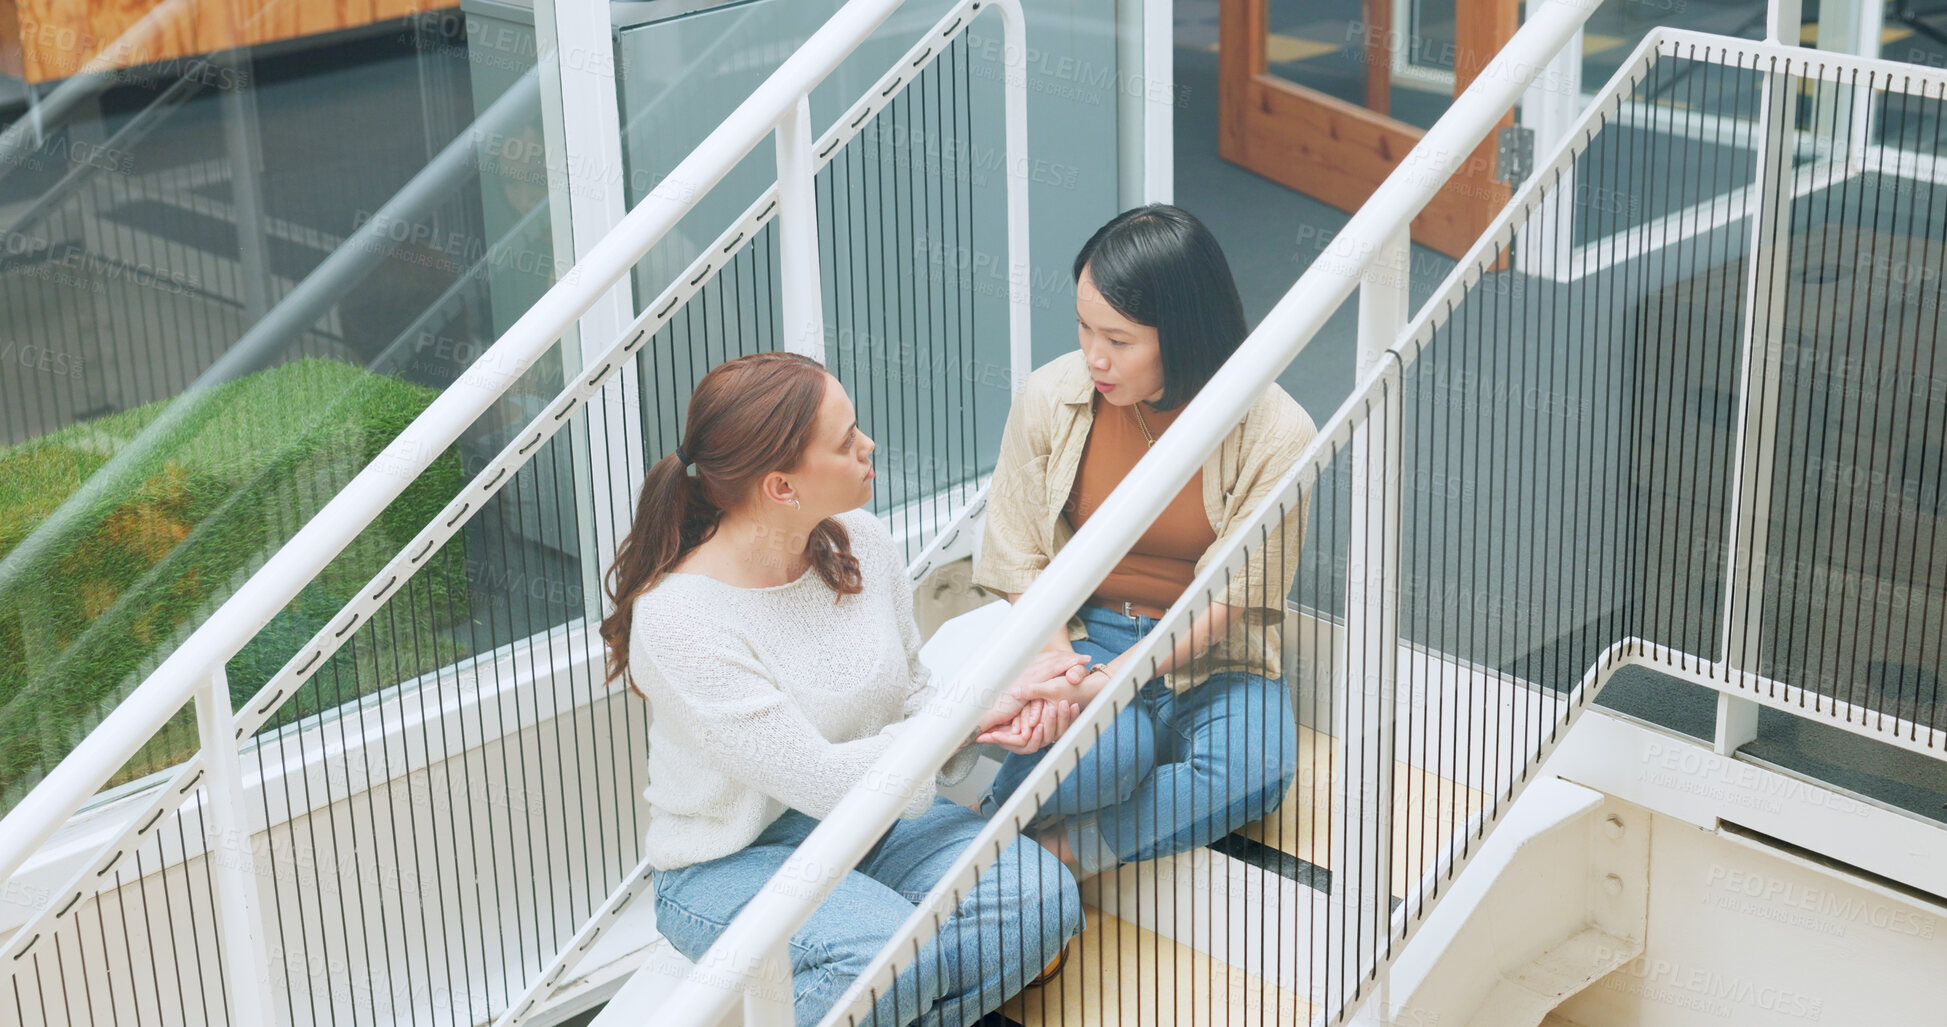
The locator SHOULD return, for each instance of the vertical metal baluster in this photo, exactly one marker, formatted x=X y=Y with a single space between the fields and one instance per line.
x=1363 y=720
x=797 y=216
x=240 y=927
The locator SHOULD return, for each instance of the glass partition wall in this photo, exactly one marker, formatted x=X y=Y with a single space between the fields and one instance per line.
x=238 y=260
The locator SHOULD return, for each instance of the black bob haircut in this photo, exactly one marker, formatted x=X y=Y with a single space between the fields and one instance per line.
x=1159 y=266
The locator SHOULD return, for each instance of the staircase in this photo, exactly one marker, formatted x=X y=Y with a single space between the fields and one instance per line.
x=1584 y=454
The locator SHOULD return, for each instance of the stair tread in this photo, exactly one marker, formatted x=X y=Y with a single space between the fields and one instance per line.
x=1167 y=983
x=1301 y=825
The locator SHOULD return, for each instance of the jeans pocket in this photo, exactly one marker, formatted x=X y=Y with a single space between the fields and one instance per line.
x=689 y=934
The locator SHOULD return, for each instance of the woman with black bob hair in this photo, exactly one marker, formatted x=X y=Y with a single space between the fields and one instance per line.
x=1209 y=743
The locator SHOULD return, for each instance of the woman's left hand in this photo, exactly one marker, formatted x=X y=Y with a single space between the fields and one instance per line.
x=1035 y=728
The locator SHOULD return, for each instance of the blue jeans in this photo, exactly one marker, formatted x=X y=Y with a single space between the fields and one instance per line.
x=1172 y=771
x=1022 y=910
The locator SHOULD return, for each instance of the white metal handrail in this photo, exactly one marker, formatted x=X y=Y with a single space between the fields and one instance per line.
x=777 y=105
x=748 y=954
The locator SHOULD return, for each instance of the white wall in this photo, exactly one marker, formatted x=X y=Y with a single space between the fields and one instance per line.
x=1744 y=932
x=1739 y=935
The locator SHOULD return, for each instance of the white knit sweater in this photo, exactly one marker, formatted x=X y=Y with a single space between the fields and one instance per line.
x=763 y=699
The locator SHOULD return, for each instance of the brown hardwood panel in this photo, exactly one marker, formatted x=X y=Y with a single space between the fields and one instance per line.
x=1477 y=38
x=1301 y=825
x=1240 y=58
x=1339 y=152
x=1120 y=975
x=10 y=62
x=1379 y=55
x=61 y=37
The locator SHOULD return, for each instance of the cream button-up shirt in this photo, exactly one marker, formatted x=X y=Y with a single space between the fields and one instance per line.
x=1041 y=448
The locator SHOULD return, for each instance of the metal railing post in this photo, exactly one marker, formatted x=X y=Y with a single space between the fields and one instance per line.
x=797 y=216
x=245 y=150
x=240 y=926
x=1549 y=109
x=1363 y=718
x=1757 y=415
x=581 y=115
x=1850 y=27
x=1014 y=127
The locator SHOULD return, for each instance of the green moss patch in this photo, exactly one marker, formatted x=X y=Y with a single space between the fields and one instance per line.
x=258 y=459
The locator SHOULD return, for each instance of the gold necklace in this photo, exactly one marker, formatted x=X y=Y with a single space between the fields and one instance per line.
x=1140 y=423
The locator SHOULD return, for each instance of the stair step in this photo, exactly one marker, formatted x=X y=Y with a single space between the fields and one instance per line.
x=1301 y=826
x=1120 y=975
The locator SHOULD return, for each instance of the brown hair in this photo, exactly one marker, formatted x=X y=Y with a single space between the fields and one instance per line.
x=747 y=418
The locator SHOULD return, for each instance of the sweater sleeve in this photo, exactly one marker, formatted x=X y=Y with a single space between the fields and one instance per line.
x=1265 y=580
x=716 y=689
x=961 y=763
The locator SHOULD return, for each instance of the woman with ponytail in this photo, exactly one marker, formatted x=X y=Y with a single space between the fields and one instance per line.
x=768 y=620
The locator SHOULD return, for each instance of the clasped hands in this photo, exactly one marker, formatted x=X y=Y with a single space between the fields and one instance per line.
x=1040 y=705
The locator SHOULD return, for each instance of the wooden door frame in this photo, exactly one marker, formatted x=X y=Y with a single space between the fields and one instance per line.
x=1339 y=152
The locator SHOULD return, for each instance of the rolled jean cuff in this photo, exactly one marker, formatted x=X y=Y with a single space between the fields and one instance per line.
x=1093 y=855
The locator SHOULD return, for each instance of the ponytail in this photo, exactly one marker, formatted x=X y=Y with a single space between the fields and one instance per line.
x=672 y=517
x=747 y=418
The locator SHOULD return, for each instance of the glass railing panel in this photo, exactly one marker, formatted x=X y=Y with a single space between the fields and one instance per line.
x=223 y=307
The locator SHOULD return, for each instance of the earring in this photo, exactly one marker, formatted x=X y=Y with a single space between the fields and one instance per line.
x=795 y=505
